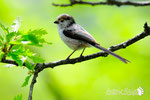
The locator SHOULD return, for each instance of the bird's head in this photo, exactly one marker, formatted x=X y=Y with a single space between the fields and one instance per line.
x=64 y=20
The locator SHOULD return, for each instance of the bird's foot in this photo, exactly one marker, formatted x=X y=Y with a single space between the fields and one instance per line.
x=67 y=58
x=81 y=56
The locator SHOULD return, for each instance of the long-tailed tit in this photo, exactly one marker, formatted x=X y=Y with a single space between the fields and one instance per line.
x=76 y=37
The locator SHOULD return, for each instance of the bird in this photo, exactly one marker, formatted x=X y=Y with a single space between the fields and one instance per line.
x=76 y=37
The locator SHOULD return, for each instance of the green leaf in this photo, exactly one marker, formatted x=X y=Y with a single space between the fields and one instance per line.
x=4 y=28
x=37 y=59
x=1 y=37
x=1 y=56
x=29 y=53
x=17 y=42
x=18 y=51
x=38 y=32
x=14 y=47
x=3 y=34
x=18 y=97
x=29 y=65
x=10 y=36
x=1 y=43
x=35 y=37
x=26 y=81
x=16 y=58
x=32 y=38
x=16 y=25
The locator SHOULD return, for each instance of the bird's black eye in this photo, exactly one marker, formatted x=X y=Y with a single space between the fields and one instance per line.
x=62 y=20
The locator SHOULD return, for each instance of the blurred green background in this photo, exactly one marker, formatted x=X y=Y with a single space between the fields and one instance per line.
x=89 y=80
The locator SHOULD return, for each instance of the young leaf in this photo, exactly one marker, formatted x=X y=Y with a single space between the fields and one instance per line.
x=4 y=28
x=18 y=50
x=32 y=38
x=29 y=65
x=18 y=97
x=16 y=25
x=3 y=34
x=37 y=59
x=26 y=81
x=16 y=58
x=29 y=53
x=1 y=56
x=35 y=37
x=10 y=36
x=17 y=42
x=1 y=43
x=15 y=47
x=1 y=37
x=38 y=32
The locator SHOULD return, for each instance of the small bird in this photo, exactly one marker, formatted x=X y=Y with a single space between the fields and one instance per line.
x=76 y=37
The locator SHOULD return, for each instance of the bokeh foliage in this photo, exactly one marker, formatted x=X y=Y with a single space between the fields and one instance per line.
x=88 y=80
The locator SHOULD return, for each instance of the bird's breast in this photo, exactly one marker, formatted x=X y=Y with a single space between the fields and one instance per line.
x=72 y=43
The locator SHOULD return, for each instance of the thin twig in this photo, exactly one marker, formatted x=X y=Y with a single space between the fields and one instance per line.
x=107 y=2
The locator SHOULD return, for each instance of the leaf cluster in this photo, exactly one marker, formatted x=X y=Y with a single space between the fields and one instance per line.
x=14 y=43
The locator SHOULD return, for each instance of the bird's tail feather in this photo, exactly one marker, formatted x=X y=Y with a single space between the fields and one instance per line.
x=110 y=52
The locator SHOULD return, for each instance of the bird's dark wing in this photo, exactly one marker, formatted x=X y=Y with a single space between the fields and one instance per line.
x=80 y=35
x=86 y=37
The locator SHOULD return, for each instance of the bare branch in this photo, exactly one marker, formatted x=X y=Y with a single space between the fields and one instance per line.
x=7 y=61
x=107 y=2
x=123 y=45
x=34 y=80
x=32 y=85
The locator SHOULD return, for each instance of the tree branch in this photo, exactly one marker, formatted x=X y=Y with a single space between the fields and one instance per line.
x=42 y=66
x=32 y=85
x=7 y=61
x=123 y=45
x=107 y=2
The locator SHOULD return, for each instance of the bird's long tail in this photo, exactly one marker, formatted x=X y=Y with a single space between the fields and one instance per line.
x=110 y=52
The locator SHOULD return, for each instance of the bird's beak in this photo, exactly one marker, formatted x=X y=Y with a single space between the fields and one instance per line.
x=56 y=22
